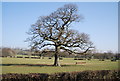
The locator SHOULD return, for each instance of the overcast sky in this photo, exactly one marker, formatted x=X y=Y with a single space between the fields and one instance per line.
x=101 y=22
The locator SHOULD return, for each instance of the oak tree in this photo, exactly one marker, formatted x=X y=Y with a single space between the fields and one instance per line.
x=54 y=30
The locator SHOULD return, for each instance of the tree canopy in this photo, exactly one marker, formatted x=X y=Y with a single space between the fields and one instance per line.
x=54 y=30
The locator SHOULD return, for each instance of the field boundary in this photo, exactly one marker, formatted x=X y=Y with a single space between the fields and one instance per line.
x=102 y=75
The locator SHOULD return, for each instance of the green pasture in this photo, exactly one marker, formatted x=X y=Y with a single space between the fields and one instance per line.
x=29 y=65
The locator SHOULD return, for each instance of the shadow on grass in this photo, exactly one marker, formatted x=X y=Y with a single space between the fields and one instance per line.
x=39 y=65
x=36 y=65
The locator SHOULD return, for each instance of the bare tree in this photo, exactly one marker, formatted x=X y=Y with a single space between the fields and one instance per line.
x=54 y=30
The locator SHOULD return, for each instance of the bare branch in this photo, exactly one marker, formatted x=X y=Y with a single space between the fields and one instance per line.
x=55 y=28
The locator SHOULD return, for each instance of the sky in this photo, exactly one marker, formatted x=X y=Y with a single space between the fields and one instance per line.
x=100 y=22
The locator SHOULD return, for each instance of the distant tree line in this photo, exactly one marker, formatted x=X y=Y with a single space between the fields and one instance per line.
x=4 y=52
x=50 y=53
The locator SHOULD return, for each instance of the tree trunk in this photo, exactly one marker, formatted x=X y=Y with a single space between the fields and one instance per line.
x=56 y=61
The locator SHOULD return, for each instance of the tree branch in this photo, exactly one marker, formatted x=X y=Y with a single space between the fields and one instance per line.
x=70 y=51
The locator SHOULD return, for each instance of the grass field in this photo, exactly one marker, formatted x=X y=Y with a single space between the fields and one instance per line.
x=29 y=65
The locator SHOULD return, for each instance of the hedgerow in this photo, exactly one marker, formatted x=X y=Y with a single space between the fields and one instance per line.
x=99 y=75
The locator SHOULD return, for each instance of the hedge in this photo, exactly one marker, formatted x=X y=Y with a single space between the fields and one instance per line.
x=99 y=75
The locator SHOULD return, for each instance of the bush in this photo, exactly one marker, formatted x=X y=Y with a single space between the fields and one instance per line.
x=60 y=58
x=101 y=60
x=79 y=59
x=101 y=75
x=25 y=77
x=113 y=59
x=26 y=57
x=88 y=59
x=19 y=57
x=75 y=58
x=49 y=58
x=35 y=57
